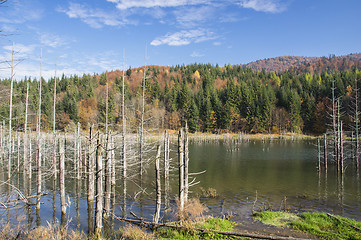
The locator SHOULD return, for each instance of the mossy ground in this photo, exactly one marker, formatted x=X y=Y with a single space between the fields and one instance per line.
x=319 y=225
x=209 y=223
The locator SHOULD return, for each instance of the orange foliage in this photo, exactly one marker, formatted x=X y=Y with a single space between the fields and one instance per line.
x=88 y=111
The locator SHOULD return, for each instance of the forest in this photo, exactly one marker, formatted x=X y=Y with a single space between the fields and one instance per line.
x=209 y=98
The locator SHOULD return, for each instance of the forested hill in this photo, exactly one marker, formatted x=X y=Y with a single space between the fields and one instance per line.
x=307 y=64
x=210 y=98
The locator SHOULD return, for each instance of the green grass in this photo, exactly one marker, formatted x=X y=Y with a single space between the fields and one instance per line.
x=210 y=223
x=317 y=224
x=278 y=219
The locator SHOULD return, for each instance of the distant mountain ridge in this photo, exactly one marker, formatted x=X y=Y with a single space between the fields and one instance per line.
x=308 y=64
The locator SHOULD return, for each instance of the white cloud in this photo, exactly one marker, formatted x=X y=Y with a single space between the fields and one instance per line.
x=126 y=4
x=272 y=6
x=96 y=18
x=20 y=12
x=53 y=40
x=184 y=38
x=196 y=54
x=192 y=16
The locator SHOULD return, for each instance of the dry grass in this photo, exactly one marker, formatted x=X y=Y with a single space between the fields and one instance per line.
x=209 y=193
x=132 y=232
x=193 y=211
x=44 y=233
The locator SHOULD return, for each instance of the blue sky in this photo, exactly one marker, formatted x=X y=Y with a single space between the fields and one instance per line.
x=90 y=36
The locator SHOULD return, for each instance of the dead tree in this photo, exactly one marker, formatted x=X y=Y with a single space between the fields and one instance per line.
x=54 y=132
x=356 y=119
x=25 y=139
x=39 y=141
x=62 y=181
x=158 y=187
x=186 y=164
x=91 y=179
x=99 y=187
x=325 y=152
x=107 y=178
x=11 y=110
x=166 y=169
x=181 y=168
x=141 y=130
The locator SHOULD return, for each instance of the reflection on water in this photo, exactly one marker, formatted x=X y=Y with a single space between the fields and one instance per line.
x=282 y=174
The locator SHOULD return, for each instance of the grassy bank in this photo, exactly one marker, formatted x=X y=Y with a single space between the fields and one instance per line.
x=320 y=225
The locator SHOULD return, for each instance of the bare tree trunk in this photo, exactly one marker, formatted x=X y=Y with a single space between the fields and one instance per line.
x=319 y=154
x=338 y=137
x=99 y=188
x=334 y=124
x=39 y=141
x=11 y=110
x=78 y=153
x=18 y=150
x=341 y=149
x=181 y=169
x=356 y=127
x=166 y=171
x=30 y=159
x=54 y=132
x=325 y=152
x=25 y=154
x=1 y=145
x=158 y=187
x=107 y=180
x=91 y=178
x=62 y=181
x=186 y=164
x=141 y=133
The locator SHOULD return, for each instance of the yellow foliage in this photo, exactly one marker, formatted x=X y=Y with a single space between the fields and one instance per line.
x=196 y=75
x=348 y=90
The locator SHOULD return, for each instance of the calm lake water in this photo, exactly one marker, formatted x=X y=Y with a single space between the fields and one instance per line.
x=246 y=175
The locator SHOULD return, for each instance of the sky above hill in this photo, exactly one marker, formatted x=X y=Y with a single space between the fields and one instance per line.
x=79 y=36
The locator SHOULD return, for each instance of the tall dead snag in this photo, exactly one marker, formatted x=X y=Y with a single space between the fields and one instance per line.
x=158 y=187
x=54 y=132
x=325 y=152
x=356 y=128
x=186 y=164
x=62 y=181
x=341 y=149
x=141 y=130
x=319 y=155
x=39 y=142
x=91 y=178
x=99 y=187
x=181 y=168
x=10 y=110
x=166 y=170
x=78 y=153
x=124 y=148
x=25 y=136
x=107 y=178
x=1 y=145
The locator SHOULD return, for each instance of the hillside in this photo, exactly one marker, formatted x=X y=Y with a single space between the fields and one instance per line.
x=307 y=64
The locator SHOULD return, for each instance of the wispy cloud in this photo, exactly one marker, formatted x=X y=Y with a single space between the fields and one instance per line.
x=271 y=6
x=96 y=18
x=21 y=12
x=53 y=40
x=193 y=16
x=184 y=37
x=196 y=54
x=126 y=4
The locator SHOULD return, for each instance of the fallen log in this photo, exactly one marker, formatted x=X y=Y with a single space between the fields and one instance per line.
x=153 y=226
x=344 y=222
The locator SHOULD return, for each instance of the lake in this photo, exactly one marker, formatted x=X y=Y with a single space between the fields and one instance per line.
x=240 y=176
